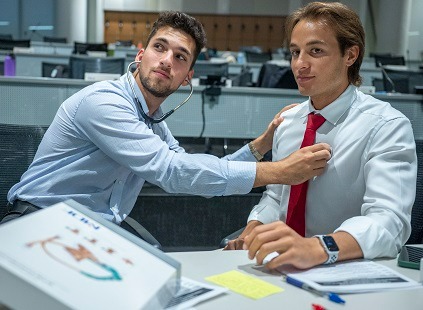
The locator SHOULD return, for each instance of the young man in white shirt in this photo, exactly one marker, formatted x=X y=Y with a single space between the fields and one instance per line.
x=361 y=205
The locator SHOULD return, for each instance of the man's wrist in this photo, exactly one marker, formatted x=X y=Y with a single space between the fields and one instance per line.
x=257 y=155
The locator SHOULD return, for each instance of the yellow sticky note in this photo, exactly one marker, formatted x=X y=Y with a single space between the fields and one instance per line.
x=244 y=284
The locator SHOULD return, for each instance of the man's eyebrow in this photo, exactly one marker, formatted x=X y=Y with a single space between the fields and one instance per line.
x=313 y=42
x=181 y=48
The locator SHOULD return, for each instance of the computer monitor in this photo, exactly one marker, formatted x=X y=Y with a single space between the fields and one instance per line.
x=54 y=70
x=387 y=59
x=258 y=57
x=10 y=44
x=82 y=48
x=204 y=68
x=80 y=64
x=55 y=40
x=401 y=79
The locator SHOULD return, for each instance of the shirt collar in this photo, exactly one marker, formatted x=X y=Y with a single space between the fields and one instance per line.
x=140 y=97
x=334 y=111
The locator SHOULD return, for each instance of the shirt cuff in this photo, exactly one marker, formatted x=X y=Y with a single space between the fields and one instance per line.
x=241 y=177
x=374 y=240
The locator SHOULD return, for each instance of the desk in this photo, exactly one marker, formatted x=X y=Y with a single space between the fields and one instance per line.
x=198 y=265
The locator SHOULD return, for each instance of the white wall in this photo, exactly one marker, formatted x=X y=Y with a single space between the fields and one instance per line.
x=72 y=21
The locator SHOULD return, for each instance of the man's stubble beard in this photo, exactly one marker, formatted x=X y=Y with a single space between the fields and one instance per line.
x=156 y=90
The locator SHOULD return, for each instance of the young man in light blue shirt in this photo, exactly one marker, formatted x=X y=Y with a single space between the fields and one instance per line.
x=107 y=140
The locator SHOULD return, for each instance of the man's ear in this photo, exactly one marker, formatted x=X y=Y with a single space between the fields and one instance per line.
x=188 y=78
x=352 y=54
x=139 y=56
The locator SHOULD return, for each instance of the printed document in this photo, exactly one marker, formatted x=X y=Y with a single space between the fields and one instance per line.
x=351 y=277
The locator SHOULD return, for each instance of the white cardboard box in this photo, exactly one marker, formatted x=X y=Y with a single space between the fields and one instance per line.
x=67 y=257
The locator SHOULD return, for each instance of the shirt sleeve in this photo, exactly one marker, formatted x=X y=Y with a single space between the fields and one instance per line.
x=390 y=175
x=108 y=121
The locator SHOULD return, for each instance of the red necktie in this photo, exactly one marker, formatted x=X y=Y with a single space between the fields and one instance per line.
x=295 y=217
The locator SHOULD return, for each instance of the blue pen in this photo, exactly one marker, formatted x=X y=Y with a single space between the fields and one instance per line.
x=331 y=296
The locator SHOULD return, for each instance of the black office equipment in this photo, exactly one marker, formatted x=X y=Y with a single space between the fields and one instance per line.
x=54 y=70
x=1 y=67
x=205 y=68
x=10 y=44
x=388 y=59
x=258 y=57
x=79 y=64
x=54 y=40
x=275 y=76
x=401 y=79
x=82 y=48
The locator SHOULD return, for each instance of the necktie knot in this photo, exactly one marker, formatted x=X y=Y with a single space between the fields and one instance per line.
x=315 y=121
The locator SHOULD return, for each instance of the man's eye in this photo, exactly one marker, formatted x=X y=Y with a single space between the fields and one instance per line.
x=181 y=57
x=294 y=53
x=158 y=46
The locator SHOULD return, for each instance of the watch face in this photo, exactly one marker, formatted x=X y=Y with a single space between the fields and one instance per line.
x=330 y=243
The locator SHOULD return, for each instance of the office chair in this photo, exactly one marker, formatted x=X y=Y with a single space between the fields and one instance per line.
x=416 y=236
x=258 y=57
x=54 y=70
x=18 y=145
x=79 y=64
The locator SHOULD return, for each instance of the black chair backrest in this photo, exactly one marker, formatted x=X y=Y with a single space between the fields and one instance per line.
x=18 y=145
x=79 y=64
x=417 y=212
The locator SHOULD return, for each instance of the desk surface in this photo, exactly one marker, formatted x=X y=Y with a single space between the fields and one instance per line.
x=198 y=265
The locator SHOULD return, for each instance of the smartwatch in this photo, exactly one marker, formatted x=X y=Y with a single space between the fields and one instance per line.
x=330 y=246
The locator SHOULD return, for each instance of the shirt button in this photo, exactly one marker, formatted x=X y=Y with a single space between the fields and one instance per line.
x=120 y=182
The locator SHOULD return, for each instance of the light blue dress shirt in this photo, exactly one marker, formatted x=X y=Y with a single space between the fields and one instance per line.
x=99 y=151
x=369 y=185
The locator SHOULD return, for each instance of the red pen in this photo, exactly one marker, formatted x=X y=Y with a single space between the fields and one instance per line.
x=317 y=307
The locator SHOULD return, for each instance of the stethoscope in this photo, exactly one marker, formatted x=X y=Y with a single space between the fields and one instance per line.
x=164 y=116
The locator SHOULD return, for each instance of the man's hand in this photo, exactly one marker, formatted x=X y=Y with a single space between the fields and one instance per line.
x=292 y=248
x=238 y=243
x=264 y=142
x=297 y=168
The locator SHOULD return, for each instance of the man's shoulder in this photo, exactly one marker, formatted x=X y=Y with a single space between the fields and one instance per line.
x=370 y=105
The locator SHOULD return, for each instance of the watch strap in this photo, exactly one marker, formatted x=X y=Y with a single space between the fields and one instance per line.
x=254 y=151
x=332 y=255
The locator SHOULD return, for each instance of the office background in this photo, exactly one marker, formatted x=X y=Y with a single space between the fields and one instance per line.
x=233 y=118
x=391 y=26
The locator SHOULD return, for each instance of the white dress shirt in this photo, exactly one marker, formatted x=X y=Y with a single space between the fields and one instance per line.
x=369 y=185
